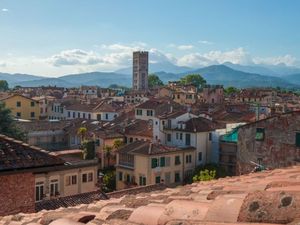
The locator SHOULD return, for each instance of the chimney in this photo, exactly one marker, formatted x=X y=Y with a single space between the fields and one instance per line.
x=150 y=148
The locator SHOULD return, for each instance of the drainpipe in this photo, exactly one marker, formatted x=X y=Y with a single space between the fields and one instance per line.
x=183 y=166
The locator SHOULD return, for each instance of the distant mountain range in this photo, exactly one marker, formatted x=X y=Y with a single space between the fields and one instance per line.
x=227 y=74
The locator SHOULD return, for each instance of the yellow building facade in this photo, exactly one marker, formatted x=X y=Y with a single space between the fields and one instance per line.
x=22 y=107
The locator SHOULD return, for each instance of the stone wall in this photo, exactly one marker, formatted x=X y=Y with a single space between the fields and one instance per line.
x=17 y=193
x=278 y=149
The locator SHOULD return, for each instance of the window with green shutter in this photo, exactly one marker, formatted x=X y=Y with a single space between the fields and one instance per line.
x=298 y=139
x=144 y=180
x=162 y=161
x=154 y=162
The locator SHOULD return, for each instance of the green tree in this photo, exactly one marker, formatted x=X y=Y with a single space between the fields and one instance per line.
x=231 y=90
x=82 y=133
x=108 y=153
x=3 y=85
x=109 y=181
x=154 y=81
x=195 y=79
x=205 y=175
x=118 y=143
x=88 y=149
x=8 y=125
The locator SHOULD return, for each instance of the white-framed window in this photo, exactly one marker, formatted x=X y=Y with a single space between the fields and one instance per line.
x=54 y=188
x=87 y=177
x=39 y=191
x=71 y=180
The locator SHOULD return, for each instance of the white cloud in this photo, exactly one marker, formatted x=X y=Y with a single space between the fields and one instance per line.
x=204 y=42
x=116 y=56
x=74 y=57
x=181 y=47
x=236 y=56
x=4 y=10
x=185 y=47
x=288 y=60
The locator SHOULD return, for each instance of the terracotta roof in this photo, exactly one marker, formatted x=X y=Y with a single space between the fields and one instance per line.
x=16 y=155
x=42 y=125
x=198 y=124
x=148 y=148
x=139 y=128
x=268 y=197
x=69 y=201
x=174 y=114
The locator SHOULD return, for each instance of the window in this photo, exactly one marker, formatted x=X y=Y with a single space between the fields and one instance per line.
x=131 y=140
x=176 y=136
x=74 y=179
x=78 y=115
x=177 y=160
x=120 y=176
x=39 y=191
x=157 y=179
x=69 y=114
x=149 y=113
x=188 y=158
x=32 y=114
x=169 y=139
x=71 y=180
x=210 y=136
x=154 y=163
x=74 y=114
x=298 y=139
x=177 y=177
x=106 y=116
x=168 y=178
x=168 y=161
x=99 y=117
x=162 y=162
x=180 y=137
x=89 y=116
x=83 y=115
x=90 y=177
x=18 y=104
x=199 y=156
x=84 y=178
x=128 y=178
x=188 y=139
x=54 y=187
x=32 y=104
x=139 y=112
x=18 y=114
x=87 y=177
x=142 y=180
x=260 y=134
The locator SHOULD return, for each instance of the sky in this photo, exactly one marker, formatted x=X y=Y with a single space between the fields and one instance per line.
x=57 y=37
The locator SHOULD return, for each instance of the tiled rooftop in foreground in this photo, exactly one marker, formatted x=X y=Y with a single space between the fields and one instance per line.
x=269 y=197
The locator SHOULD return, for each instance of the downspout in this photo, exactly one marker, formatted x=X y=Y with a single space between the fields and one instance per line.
x=183 y=167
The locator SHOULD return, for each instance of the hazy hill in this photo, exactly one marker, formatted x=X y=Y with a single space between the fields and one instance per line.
x=216 y=74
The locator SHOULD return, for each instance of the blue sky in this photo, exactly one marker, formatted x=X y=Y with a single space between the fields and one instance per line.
x=54 y=37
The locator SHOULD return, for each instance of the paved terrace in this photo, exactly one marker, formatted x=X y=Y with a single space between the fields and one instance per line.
x=270 y=197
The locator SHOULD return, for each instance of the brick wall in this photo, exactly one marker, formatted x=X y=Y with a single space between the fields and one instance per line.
x=16 y=193
x=278 y=149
